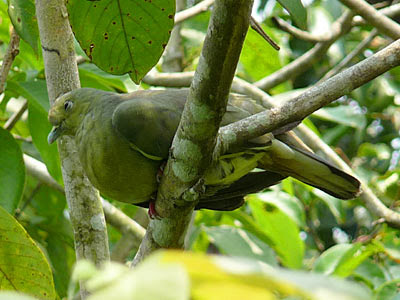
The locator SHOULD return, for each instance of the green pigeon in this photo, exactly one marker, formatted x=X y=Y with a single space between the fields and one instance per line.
x=124 y=139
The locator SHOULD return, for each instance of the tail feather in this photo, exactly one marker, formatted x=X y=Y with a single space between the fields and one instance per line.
x=310 y=169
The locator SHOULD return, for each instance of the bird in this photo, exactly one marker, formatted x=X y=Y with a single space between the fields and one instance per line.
x=123 y=140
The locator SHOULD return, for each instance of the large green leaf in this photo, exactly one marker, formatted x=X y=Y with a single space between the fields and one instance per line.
x=286 y=203
x=23 y=266
x=122 y=36
x=12 y=172
x=280 y=229
x=23 y=16
x=343 y=259
x=239 y=242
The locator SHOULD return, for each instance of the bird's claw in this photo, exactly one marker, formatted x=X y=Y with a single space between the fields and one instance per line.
x=160 y=172
x=153 y=214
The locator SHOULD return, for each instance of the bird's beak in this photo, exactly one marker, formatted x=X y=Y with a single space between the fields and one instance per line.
x=55 y=133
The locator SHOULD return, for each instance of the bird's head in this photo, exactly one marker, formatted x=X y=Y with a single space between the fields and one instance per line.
x=67 y=112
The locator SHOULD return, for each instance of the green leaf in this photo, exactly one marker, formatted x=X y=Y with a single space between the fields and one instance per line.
x=255 y=65
x=23 y=266
x=343 y=114
x=38 y=105
x=124 y=36
x=335 y=205
x=281 y=230
x=297 y=11
x=23 y=16
x=93 y=77
x=343 y=259
x=239 y=242
x=12 y=172
x=388 y=291
x=290 y=205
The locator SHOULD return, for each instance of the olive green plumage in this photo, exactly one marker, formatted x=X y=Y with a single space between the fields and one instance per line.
x=122 y=140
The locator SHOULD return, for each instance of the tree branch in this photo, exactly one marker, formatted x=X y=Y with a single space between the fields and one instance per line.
x=304 y=62
x=193 y=11
x=194 y=141
x=16 y=116
x=314 y=98
x=360 y=47
x=384 y=24
x=300 y=34
x=367 y=196
x=8 y=59
x=390 y=12
x=61 y=70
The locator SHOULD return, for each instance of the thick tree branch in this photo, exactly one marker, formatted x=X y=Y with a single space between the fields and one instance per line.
x=194 y=141
x=390 y=12
x=384 y=24
x=314 y=98
x=61 y=70
x=304 y=62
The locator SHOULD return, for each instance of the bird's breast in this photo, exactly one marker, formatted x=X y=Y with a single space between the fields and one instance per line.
x=116 y=170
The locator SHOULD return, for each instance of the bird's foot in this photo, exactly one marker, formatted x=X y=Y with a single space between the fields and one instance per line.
x=160 y=171
x=153 y=214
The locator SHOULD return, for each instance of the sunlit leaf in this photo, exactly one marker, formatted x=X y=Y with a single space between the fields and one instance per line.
x=23 y=16
x=23 y=266
x=281 y=230
x=125 y=36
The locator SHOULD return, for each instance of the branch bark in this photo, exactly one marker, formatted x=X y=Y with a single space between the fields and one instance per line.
x=8 y=59
x=61 y=70
x=368 y=197
x=384 y=24
x=314 y=98
x=304 y=62
x=193 y=144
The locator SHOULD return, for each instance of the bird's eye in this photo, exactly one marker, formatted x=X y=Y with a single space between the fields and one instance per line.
x=68 y=105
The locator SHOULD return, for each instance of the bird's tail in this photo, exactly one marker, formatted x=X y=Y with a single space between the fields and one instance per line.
x=308 y=168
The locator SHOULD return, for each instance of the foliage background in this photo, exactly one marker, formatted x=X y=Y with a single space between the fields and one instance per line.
x=291 y=224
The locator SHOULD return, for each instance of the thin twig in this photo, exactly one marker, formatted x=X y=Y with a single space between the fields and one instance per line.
x=16 y=116
x=384 y=24
x=304 y=62
x=8 y=59
x=193 y=11
x=312 y=99
x=257 y=27
x=360 y=47
x=368 y=197
x=300 y=34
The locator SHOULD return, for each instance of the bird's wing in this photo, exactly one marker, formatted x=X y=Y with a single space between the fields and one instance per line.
x=149 y=121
